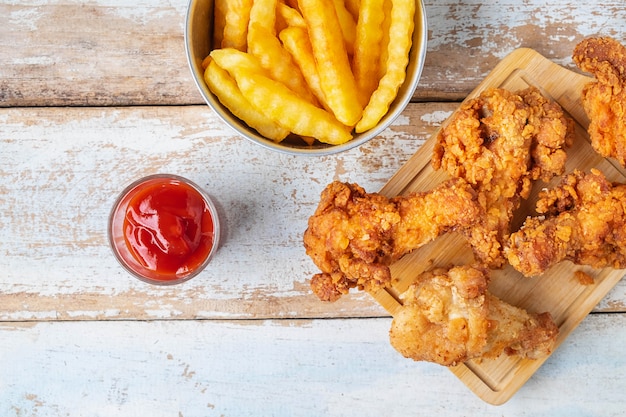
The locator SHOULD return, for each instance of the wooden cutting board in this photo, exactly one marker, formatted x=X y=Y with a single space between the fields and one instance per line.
x=557 y=291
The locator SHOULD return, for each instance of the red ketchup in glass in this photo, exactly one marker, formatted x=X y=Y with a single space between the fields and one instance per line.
x=164 y=229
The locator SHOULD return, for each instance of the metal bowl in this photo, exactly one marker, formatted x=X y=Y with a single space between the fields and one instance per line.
x=198 y=33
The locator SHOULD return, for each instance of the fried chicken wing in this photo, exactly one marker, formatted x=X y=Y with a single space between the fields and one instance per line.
x=500 y=142
x=448 y=317
x=354 y=236
x=583 y=220
x=604 y=100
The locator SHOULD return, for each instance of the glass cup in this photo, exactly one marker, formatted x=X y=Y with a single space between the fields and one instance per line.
x=157 y=235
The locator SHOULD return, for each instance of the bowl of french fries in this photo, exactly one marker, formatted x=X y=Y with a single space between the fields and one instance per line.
x=306 y=76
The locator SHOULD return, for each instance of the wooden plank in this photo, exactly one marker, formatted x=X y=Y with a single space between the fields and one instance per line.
x=62 y=168
x=469 y=38
x=104 y=52
x=342 y=367
x=557 y=291
x=108 y=53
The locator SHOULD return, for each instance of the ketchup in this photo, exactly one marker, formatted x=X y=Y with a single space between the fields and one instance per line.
x=167 y=229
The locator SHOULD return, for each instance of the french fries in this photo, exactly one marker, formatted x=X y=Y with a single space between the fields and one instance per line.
x=367 y=46
x=234 y=59
x=400 y=34
x=330 y=53
x=314 y=69
x=290 y=110
x=382 y=63
x=288 y=16
x=353 y=7
x=220 y=7
x=236 y=17
x=263 y=14
x=296 y=41
x=347 y=25
x=230 y=96
x=277 y=61
x=276 y=101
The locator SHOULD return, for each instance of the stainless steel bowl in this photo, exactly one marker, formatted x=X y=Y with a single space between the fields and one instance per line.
x=198 y=33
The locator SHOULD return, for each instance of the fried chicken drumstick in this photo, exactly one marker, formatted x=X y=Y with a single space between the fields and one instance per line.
x=584 y=221
x=604 y=100
x=354 y=236
x=500 y=142
x=448 y=317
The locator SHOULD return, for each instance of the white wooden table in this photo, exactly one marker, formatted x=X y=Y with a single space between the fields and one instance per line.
x=94 y=95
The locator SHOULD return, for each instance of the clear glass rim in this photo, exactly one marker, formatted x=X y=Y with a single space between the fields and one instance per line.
x=112 y=234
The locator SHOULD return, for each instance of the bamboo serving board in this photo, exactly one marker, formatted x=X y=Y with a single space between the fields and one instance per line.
x=557 y=291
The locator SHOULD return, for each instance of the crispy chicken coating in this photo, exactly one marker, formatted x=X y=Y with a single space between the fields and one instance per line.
x=604 y=100
x=448 y=317
x=500 y=142
x=583 y=220
x=354 y=236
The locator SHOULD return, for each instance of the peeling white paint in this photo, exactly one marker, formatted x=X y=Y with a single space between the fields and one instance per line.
x=276 y=368
x=401 y=120
x=436 y=117
x=163 y=313
x=33 y=60
x=27 y=17
x=33 y=315
x=108 y=313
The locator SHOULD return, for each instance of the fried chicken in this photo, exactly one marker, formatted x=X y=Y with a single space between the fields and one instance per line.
x=354 y=236
x=449 y=316
x=604 y=100
x=500 y=142
x=583 y=220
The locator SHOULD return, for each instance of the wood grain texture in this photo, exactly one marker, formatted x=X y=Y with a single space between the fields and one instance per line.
x=62 y=169
x=113 y=53
x=469 y=38
x=94 y=95
x=72 y=53
x=342 y=367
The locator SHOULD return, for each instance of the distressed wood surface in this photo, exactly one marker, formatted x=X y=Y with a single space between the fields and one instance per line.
x=113 y=52
x=292 y=368
x=94 y=95
x=62 y=169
